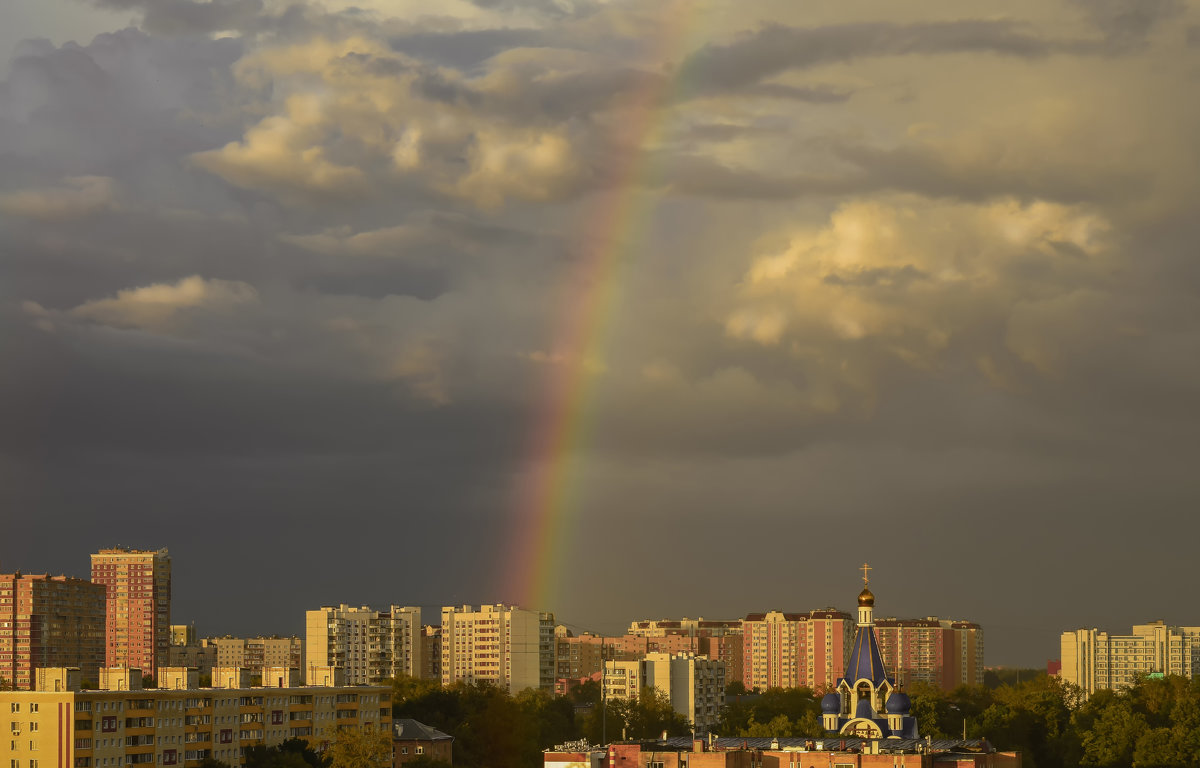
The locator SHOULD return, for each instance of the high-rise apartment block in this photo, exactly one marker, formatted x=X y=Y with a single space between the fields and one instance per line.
x=791 y=650
x=943 y=653
x=49 y=621
x=500 y=644
x=694 y=684
x=1096 y=660
x=138 y=606
x=369 y=646
x=176 y=724
x=183 y=634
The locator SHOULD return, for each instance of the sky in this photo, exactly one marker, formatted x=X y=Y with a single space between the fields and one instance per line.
x=621 y=309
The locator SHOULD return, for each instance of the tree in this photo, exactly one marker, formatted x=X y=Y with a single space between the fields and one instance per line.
x=293 y=753
x=353 y=748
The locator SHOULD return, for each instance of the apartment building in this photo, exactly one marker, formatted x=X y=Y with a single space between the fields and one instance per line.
x=941 y=652
x=694 y=684
x=138 y=606
x=431 y=652
x=700 y=627
x=790 y=650
x=49 y=621
x=501 y=644
x=1095 y=660
x=257 y=653
x=369 y=646
x=60 y=726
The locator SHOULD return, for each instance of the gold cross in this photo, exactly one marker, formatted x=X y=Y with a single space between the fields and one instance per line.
x=866 y=578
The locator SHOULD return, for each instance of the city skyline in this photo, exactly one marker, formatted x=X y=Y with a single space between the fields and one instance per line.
x=607 y=308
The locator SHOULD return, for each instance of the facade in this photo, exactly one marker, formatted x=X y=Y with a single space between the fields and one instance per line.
x=60 y=726
x=412 y=740
x=790 y=650
x=49 y=621
x=700 y=627
x=943 y=653
x=257 y=653
x=501 y=644
x=369 y=646
x=138 y=606
x=431 y=652
x=202 y=657
x=1095 y=660
x=183 y=634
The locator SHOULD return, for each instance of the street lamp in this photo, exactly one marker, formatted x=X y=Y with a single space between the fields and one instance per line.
x=964 y=714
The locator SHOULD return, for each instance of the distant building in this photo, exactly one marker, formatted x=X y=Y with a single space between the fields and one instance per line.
x=257 y=653
x=791 y=650
x=138 y=606
x=200 y=657
x=412 y=740
x=1096 y=660
x=48 y=621
x=431 y=652
x=695 y=685
x=177 y=724
x=501 y=644
x=700 y=627
x=183 y=634
x=943 y=653
x=369 y=646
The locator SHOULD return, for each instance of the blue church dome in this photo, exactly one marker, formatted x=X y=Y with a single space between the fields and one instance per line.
x=831 y=704
x=898 y=704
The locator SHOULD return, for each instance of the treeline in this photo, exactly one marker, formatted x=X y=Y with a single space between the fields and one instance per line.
x=496 y=730
x=1155 y=724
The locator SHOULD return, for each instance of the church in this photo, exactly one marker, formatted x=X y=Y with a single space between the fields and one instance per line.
x=868 y=703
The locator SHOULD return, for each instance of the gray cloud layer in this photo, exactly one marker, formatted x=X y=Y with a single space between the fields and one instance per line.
x=916 y=290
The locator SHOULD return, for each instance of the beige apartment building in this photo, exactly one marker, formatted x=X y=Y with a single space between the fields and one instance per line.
x=1095 y=660
x=178 y=724
x=694 y=684
x=369 y=646
x=257 y=653
x=501 y=644
x=49 y=621
x=138 y=606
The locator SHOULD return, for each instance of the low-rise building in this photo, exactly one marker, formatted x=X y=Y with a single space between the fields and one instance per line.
x=412 y=739
x=177 y=724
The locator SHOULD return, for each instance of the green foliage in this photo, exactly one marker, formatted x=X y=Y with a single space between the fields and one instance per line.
x=994 y=678
x=353 y=748
x=587 y=692
x=212 y=762
x=293 y=753
x=490 y=728
x=426 y=761
x=791 y=711
x=645 y=718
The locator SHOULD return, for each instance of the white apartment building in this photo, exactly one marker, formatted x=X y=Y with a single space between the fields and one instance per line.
x=694 y=684
x=368 y=646
x=500 y=644
x=1096 y=660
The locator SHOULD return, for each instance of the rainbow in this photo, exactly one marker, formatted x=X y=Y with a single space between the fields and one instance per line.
x=547 y=499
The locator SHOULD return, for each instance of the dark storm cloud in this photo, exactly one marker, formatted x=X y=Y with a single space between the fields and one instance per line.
x=1127 y=22
x=775 y=48
x=173 y=17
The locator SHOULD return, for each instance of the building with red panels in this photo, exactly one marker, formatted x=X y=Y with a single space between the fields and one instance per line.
x=137 y=606
x=49 y=621
x=943 y=653
x=786 y=753
x=726 y=649
x=791 y=650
